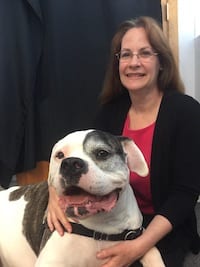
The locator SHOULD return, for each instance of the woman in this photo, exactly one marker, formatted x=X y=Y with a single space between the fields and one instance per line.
x=143 y=99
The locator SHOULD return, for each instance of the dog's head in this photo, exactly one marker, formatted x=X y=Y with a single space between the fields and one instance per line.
x=89 y=169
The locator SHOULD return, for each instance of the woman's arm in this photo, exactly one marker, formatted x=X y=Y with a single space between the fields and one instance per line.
x=128 y=252
x=56 y=218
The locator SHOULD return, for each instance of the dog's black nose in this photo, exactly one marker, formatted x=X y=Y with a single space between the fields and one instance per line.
x=72 y=169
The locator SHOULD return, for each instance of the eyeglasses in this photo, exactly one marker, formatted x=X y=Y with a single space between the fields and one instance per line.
x=143 y=55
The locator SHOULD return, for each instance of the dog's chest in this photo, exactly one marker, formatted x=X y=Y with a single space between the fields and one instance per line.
x=75 y=250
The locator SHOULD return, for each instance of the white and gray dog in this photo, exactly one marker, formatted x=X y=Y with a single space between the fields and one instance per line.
x=90 y=171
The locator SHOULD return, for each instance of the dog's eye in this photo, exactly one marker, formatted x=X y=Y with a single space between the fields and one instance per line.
x=102 y=154
x=60 y=155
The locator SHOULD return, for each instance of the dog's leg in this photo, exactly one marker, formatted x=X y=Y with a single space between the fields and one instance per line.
x=152 y=259
x=55 y=253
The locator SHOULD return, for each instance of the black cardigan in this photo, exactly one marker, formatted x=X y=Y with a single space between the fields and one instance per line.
x=175 y=160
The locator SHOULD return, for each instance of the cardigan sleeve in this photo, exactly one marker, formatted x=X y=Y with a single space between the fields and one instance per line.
x=179 y=170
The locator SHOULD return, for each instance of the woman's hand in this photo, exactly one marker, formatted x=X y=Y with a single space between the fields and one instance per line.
x=125 y=253
x=121 y=255
x=56 y=218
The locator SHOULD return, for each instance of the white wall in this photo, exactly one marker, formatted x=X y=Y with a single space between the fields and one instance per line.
x=189 y=52
x=197 y=67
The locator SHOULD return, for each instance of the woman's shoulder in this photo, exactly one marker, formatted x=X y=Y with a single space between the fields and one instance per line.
x=118 y=103
x=179 y=110
x=111 y=115
x=121 y=99
x=177 y=101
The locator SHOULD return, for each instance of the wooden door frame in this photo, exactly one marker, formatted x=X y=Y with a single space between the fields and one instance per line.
x=170 y=24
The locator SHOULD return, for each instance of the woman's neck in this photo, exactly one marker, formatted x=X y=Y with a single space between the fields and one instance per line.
x=145 y=101
x=144 y=108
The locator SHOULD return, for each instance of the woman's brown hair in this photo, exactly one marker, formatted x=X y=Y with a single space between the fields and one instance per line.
x=169 y=77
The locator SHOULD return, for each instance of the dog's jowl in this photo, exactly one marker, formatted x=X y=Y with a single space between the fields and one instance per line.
x=90 y=171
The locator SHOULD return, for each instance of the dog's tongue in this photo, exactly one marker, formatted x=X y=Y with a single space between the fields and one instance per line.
x=85 y=204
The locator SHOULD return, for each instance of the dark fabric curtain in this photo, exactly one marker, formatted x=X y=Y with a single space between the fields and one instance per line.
x=21 y=40
x=53 y=56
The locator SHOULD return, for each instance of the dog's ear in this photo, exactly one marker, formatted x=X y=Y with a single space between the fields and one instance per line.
x=135 y=159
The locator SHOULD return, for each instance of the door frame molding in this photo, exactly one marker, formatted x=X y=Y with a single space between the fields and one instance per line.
x=170 y=24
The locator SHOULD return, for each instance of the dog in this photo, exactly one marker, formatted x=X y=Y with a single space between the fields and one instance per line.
x=90 y=172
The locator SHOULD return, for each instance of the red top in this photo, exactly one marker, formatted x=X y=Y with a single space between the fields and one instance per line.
x=141 y=185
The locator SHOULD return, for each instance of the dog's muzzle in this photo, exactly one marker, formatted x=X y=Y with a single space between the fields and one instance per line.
x=78 y=203
x=75 y=201
x=72 y=168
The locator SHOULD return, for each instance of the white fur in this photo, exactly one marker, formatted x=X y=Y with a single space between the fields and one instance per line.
x=14 y=249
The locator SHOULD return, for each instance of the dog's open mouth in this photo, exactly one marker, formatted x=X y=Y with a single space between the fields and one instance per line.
x=78 y=203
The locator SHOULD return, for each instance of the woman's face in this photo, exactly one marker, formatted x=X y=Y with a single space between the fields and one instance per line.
x=138 y=72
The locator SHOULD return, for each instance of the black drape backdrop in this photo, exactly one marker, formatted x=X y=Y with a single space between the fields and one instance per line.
x=53 y=56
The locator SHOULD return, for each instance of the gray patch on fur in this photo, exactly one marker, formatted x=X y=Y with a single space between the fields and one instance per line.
x=36 y=196
x=105 y=150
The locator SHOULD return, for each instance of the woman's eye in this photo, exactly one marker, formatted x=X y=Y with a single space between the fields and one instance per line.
x=60 y=155
x=125 y=54
x=145 y=54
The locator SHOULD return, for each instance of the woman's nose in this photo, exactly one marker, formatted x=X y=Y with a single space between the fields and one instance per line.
x=135 y=59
